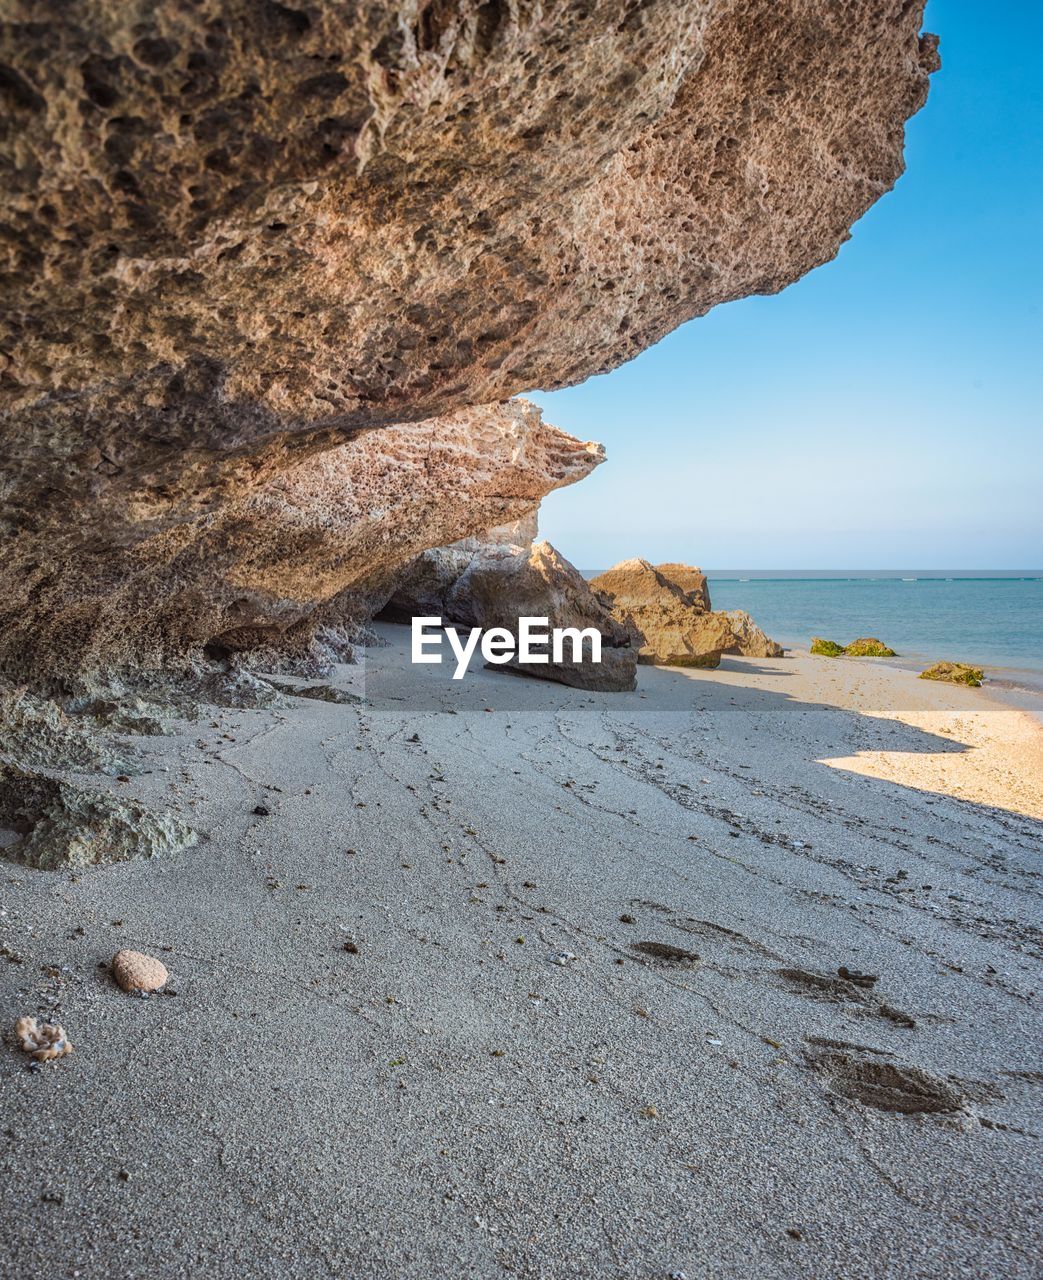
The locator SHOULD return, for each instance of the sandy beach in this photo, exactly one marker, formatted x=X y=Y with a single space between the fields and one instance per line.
x=592 y=1025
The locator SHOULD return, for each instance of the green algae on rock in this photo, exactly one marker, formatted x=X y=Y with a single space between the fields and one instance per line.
x=955 y=673
x=865 y=647
x=826 y=648
x=869 y=647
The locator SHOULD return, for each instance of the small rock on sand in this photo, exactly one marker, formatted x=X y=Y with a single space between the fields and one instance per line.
x=135 y=971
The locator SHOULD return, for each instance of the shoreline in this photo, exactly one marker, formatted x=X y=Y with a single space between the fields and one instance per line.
x=837 y=607
x=1023 y=689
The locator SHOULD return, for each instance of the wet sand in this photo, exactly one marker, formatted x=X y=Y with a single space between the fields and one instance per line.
x=502 y=1079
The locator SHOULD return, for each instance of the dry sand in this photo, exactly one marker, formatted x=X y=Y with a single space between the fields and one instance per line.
x=499 y=1081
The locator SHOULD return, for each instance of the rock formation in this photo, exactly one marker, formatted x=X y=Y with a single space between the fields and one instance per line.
x=955 y=673
x=63 y=825
x=666 y=608
x=665 y=625
x=492 y=583
x=429 y=585
x=300 y=529
x=240 y=234
x=690 y=581
x=823 y=648
x=869 y=647
x=866 y=647
x=750 y=640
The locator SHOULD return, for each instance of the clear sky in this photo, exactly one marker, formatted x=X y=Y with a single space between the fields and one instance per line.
x=883 y=412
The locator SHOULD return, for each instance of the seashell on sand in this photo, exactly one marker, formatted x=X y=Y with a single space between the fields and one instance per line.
x=43 y=1040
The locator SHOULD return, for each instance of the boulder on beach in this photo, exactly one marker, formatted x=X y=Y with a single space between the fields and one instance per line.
x=691 y=581
x=666 y=627
x=427 y=586
x=869 y=647
x=954 y=673
x=826 y=648
x=866 y=647
x=750 y=640
x=494 y=582
x=667 y=609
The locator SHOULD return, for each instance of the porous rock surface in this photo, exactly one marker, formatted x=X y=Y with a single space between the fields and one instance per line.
x=43 y=1041
x=666 y=608
x=665 y=626
x=238 y=232
x=60 y=824
x=298 y=530
x=691 y=582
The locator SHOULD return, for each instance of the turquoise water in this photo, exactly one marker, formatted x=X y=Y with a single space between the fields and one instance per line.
x=992 y=621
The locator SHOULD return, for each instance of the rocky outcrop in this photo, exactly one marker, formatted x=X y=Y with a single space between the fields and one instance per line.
x=954 y=673
x=494 y=583
x=690 y=581
x=869 y=647
x=239 y=234
x=665 y=625
x=59 y=824
x=823 y=648
x=296 y=545
x=666 y=608
x=866 y=647
x=428 y=585
x=750 y=640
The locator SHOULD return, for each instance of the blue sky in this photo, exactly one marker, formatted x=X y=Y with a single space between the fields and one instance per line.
x=883 y=412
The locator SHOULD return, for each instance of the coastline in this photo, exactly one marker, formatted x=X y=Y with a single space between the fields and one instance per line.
x=384 y=897
x=990 y=740
x=1017 y=687
x=987 y=619
x=499 y=1078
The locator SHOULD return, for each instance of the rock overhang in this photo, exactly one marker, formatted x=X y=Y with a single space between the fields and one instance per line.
x=236 y=235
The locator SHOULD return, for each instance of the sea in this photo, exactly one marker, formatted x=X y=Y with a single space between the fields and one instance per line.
x=989 y=619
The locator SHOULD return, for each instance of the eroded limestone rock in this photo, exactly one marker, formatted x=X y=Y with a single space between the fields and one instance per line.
x=37 y=732
x=750 y=640
x=690 y=581
x=238 y=233
x=665 y=626
x=666 y=608
x=293 y=547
